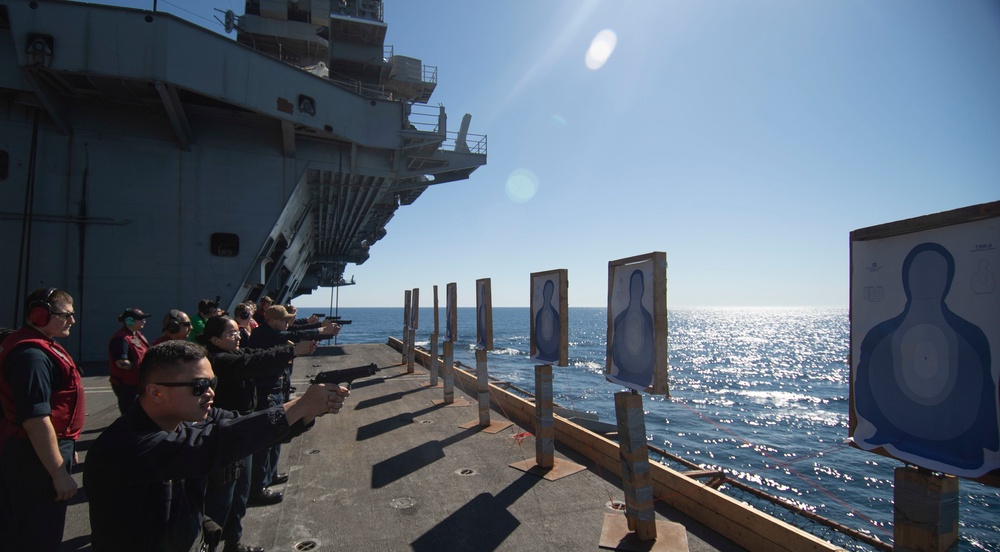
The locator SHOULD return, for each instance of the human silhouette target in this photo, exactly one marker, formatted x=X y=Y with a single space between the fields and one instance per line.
x=925 y=375
x=637 y=331
x=549 y=306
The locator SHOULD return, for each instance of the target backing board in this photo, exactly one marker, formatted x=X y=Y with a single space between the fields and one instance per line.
x=406 y=308
x=925 y=341
x=451 y=312
x=436 y=326
x=637 y=323
x=549 y=324
x=415 y=308
x=484 y=315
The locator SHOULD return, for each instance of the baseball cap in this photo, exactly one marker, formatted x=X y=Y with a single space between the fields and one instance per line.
x=277 y=312
x=132 y=313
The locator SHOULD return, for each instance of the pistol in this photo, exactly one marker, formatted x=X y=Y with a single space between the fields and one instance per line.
x=345 y=375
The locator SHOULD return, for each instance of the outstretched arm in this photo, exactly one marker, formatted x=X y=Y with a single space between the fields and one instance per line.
x=318 y=400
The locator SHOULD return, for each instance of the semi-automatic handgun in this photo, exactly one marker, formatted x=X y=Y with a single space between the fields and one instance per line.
x=345 y=375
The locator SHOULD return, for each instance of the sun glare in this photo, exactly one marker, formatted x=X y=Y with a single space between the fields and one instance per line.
x=601 y=49
x=521 y=185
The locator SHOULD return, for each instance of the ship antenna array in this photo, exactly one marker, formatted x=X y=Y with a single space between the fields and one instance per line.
x=229 y=21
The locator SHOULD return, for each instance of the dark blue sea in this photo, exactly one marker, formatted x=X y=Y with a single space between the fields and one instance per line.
x=761 y=393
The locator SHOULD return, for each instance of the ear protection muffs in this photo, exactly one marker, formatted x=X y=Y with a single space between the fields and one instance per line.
x=129 y=321
x=172 y=324
x=39 y=312
x=244 y=315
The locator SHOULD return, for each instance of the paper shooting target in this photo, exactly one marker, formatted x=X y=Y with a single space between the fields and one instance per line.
x=925 y=371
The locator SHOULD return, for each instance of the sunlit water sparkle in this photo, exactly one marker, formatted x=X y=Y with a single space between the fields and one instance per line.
x=760 y=393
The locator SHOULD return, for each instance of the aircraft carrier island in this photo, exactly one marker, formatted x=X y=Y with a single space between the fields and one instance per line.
x=150 y=162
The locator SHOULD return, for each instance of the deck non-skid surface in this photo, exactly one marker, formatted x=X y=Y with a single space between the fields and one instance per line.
x=395 y=471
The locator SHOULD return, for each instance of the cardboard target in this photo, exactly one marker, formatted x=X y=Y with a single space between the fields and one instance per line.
x=549 y=336
x=924 y=337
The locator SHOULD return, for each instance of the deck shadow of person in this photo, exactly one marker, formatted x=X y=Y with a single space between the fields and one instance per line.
x=414 y=459
x=392 y=423
x=482 y=524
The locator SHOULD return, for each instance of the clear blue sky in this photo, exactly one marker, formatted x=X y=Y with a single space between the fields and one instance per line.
x=744 y=138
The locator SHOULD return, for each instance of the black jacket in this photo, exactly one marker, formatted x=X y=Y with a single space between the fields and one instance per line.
x=237 y=370
x=146 y=486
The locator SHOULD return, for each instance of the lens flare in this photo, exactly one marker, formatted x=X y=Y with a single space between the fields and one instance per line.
x=521 y=186
x=601 y=49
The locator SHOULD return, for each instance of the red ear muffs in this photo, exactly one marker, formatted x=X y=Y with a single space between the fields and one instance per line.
x=39 y=316
x=39 y=312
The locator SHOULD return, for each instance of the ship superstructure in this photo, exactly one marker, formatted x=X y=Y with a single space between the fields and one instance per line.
x=149 y=162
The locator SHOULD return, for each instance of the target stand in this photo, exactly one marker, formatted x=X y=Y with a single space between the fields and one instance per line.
x=483 y=391
x=545 y=464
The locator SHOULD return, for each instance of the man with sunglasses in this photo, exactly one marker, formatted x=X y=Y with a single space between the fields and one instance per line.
x=43 y=411
x=146 y=474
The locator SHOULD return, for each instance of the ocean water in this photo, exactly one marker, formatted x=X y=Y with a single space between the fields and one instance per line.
x=761 y=393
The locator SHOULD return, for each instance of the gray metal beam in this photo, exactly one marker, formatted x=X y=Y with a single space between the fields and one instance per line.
x=288 y=138
x=49 y=101
x=175 y=112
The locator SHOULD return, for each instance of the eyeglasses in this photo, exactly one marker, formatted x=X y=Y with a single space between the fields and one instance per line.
x=64 y=315
x=198 y=385
x=188 y=323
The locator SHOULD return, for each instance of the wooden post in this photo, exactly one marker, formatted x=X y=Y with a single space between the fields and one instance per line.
x=483 y=386
x=433 y=368
x=406 y=322
x=925 y=516
x=448 y=372
x=545 y=431
x=409 y=351
x=406 y=340
x=634 y=453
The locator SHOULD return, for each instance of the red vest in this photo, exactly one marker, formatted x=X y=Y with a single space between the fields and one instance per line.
x=137 y=346
x=67 y=402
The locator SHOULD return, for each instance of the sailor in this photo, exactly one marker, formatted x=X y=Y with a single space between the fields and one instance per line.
x=265 y=303
x=43 y=414
x=207 y=308
x=229 y=489
x=243 y=315
x=125 y=351
x=311 y=323
x=176 y=325
x=274 y=390
x=146 y=473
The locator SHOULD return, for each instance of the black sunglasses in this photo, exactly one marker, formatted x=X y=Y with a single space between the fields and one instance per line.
x=197 y=385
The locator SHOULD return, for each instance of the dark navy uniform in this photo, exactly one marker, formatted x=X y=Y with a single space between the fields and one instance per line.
x=229 y=488
x=271 y=391
x=146 y=486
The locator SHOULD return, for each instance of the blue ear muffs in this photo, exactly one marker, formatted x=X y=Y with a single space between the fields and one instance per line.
x=129 y=321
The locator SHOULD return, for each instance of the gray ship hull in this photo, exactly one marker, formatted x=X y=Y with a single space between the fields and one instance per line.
x=148 y=162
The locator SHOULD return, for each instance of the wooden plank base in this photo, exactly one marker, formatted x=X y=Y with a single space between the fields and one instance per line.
x=670 y=536
x=496 y=426
x=559 y=469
